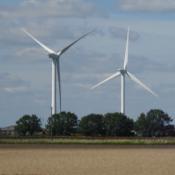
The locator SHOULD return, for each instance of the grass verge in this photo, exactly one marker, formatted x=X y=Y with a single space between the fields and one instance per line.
x=127 y=141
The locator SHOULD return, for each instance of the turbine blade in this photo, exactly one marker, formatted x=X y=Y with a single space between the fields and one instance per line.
x=70 y=45
x=107 y=79
x=132 y=77
x=126 y=51
x=59 y=82
x=38 y=42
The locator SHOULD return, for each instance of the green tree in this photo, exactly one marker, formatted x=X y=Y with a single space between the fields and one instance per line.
x=64 y=123
x=117 y=124
x=169 y=130
x=28 y=124
x=141 y=125
x=92 y=125
x=154 y=123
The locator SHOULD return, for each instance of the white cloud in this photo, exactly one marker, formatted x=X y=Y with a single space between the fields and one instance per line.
x=147 y=5
x=16 y=89
x=119 y=32
x=51 y=8
x=13 y=84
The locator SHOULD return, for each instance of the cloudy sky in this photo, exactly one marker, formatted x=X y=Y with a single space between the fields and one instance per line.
x=25 y=69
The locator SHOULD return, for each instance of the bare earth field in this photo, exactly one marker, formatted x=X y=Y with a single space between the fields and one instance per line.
x=86 y=160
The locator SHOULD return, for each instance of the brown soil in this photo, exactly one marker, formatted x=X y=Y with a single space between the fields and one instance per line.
x=86 y=160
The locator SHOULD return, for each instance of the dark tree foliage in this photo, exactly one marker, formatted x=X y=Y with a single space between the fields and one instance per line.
x=154 y=123
x=28 y=124
x=169 y=130
x=64 y=123
x=117 y=124
x=92 y=125
x=141 y=125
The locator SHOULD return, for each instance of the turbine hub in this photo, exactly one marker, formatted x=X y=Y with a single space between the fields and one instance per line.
x=122 y=71
x=53 y=56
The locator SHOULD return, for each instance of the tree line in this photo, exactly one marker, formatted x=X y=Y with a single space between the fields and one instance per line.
x=155 y=123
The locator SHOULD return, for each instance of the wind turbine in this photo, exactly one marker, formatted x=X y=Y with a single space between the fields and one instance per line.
x=123 y=72
x=55 y=57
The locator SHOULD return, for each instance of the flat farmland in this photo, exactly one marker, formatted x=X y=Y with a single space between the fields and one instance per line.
x=86 y=160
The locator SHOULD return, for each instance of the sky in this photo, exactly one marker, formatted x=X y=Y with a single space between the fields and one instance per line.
x=25 y=69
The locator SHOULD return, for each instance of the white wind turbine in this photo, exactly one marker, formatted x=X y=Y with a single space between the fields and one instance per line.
x=55 y=57
x=123 y=72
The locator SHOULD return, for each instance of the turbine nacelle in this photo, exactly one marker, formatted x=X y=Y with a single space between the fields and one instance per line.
x=53 y=56
x=122 y=71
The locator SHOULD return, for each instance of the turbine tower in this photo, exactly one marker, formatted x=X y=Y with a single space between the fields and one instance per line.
x=123 y=72
x=55 y=57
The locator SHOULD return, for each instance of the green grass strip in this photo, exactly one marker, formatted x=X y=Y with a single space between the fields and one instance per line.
x=161 y=141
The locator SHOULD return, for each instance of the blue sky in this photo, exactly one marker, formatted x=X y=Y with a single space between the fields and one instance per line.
x=25 y=70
